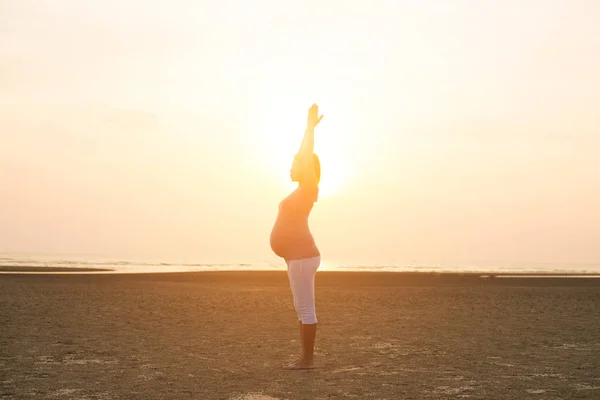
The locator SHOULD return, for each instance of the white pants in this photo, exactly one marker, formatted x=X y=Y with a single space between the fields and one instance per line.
x=301 y=274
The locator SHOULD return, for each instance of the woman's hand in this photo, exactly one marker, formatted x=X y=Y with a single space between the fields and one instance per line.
x=313 y=117
x=306 y=157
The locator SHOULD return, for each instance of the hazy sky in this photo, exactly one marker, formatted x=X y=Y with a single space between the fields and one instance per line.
x=455 y=132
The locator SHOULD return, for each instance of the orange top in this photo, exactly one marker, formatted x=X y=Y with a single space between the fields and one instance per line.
x=291 y=237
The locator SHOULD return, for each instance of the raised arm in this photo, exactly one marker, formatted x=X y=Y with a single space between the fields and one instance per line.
x=305 y=154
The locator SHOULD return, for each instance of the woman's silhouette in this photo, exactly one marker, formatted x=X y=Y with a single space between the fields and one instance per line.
x=292 y=240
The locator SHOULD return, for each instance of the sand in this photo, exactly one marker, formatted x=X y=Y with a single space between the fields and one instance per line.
x=212 y=335
x=49 y=269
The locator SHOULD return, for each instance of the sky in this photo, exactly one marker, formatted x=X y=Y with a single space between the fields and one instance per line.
x=455 y=133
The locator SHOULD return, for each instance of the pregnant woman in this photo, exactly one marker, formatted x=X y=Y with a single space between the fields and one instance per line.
x=292 y=240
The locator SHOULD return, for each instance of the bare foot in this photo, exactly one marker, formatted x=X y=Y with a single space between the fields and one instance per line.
x=300 y=364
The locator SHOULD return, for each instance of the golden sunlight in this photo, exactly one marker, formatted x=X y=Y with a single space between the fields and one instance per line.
x=278 y=137
x=334 y=169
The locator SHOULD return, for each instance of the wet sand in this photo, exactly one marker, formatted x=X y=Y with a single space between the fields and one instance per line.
x=224 y=335
x=19 y=268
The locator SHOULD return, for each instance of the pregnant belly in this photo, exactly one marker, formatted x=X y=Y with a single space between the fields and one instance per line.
x=293 y=243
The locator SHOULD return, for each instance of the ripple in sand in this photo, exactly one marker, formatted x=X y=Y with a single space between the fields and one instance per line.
x=84 y=361
x=584 y=386
x=383 y=345
x=254 y=396
x=536 y=391
x=346 y=370
x=507 y=365
x=447 y=390
x=46 y=360
x=544 y=375
x=572 y=346
x=64 y=392
x=71 y=360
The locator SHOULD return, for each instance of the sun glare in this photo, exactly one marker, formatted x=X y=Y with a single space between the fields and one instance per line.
x=333 y=169
x=280 y=134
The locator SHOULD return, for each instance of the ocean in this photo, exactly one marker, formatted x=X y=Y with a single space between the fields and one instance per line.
x=129 y=265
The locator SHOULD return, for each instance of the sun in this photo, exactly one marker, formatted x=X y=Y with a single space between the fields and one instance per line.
x=333 y=170
x=279 y=136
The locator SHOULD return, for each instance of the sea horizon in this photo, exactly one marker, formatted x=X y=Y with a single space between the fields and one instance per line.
x=164 y=264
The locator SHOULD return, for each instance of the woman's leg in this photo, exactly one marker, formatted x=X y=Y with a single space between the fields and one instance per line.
x=309 y=328
x=296 y=308
x=301 y=274
x=301 y=338
x=308 y=337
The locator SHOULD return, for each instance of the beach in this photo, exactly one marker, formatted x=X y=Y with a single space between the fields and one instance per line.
x=225 y=335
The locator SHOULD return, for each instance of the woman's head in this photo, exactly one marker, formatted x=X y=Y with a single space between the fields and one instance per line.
x=296 y=173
